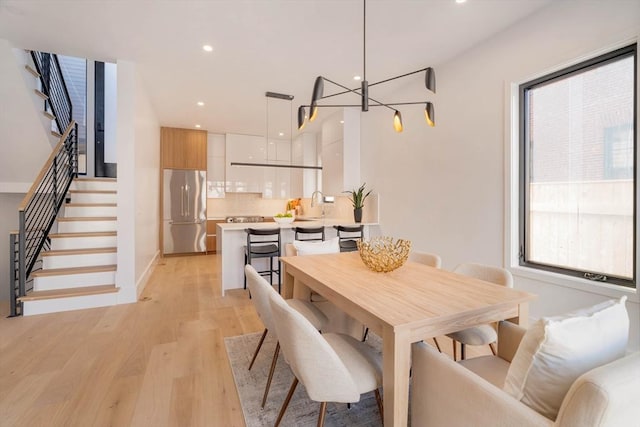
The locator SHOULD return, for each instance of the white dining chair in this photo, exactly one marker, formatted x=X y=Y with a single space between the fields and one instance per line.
x=481 y=334
x=261 y=290
x=332 y=367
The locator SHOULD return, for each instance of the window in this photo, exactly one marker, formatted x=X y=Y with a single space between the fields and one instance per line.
x=578 y=169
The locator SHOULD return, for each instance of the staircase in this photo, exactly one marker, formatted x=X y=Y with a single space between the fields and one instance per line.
x=79 y=270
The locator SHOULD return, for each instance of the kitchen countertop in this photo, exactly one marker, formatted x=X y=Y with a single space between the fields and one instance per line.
x=327 y=222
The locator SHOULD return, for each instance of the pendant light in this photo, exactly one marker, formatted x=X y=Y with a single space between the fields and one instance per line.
x=363 y=92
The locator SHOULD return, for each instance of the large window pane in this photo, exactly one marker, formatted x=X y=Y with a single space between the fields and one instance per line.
x=579 y=155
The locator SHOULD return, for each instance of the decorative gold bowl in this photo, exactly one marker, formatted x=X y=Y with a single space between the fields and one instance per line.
x=382 y=254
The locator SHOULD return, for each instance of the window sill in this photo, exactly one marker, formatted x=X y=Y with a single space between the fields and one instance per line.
x=583 y=285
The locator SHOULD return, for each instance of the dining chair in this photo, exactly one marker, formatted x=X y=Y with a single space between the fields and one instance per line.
x=261 y=289
x=481 y=334
x=332 y=367
x=432 y=260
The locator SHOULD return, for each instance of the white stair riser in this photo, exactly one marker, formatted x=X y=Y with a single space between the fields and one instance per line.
x=83 y=242
x=93 y=197
x=75 y=211
x=81 y=260
x=94 y=185
x=31 y=308
x=86 y=226
x=67 y=281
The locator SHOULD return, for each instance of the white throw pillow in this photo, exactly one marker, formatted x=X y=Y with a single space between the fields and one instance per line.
x=314 y=248
x=555 y=351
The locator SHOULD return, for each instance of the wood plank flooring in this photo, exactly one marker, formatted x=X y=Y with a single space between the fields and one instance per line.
x=158 y=362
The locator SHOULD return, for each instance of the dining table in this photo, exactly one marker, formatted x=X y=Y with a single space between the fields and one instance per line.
x=407 y=305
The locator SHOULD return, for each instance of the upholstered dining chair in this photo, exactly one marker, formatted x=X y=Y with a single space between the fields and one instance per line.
x=260 y=289
x=482 y=334
x=332 y=367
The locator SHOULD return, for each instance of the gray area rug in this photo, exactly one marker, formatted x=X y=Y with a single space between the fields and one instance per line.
x=301 y=411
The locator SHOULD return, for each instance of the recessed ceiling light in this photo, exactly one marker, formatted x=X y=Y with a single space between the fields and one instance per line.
x=461 y=1
x=200 y=103
x=207 y=48
x=342 y=121
x=198 y=126
x=281 y=134
x=357 y=78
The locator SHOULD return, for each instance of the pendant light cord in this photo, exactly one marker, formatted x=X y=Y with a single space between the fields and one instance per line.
x=364 y=40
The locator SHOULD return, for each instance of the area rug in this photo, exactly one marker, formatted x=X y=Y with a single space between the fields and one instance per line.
x=301 y=411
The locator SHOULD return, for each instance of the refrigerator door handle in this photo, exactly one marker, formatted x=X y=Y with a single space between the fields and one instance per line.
x=182 y=200
x=188 y=200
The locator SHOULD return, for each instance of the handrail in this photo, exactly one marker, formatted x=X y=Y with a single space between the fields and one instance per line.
x=38 y=211
x=46 y=166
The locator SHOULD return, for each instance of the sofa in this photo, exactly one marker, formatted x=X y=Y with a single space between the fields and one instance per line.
x=469 y=393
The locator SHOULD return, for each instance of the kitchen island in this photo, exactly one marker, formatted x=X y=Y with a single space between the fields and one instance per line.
x=232 y=239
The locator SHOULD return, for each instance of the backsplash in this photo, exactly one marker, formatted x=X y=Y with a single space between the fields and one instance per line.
x=236 y=204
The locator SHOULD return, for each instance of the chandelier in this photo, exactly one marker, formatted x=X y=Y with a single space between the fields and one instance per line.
x=363 y=91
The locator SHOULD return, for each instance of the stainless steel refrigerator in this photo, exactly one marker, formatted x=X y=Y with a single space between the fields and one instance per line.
x=184 y=212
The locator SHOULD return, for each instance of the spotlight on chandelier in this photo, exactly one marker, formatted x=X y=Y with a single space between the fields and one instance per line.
x=363 y=92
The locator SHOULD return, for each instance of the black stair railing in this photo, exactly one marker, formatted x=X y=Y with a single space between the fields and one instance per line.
x=54 y=86
x=37 y=213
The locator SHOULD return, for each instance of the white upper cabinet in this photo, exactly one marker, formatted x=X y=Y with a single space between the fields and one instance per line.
x=215 y=165
x=245 y=149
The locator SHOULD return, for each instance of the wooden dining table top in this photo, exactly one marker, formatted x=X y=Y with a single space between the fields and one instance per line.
x=411 y=296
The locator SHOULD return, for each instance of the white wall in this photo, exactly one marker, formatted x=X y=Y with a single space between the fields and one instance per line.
x=9 y=214
x=138 y=135
x=444 y=187
x=24 y=144
x=110 y=112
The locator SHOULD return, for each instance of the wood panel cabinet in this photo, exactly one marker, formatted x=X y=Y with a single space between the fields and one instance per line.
x=183 y=149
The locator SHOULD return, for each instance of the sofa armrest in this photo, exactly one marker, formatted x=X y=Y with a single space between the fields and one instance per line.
x=444 y=393
x=509 y=337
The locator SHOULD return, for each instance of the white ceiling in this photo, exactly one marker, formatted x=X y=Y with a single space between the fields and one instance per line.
x=259 y=46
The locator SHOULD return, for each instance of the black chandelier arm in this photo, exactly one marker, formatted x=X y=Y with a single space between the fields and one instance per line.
x=381 y=104
x=358 y=105
x=398 y=77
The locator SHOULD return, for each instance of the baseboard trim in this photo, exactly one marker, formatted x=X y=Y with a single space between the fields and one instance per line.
x=142 y=282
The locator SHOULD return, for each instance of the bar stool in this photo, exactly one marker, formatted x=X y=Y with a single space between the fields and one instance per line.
x=347 y=237
x=309 y=233
x=263 y=243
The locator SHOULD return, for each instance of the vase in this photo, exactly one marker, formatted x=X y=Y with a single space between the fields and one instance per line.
x=357 y=214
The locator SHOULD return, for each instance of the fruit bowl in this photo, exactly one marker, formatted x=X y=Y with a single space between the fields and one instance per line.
x=382 y=254
x=283 y=219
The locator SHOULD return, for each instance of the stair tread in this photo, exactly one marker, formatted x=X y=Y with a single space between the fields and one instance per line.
x=93 y=191
x=71 y=292
x=86 y=251
x=98 y=179
x=88 y=218
x=84 y=205
x=48 y=115
x=83 y=234
x=56 y=134
x=41 y=94
x=30 y=69
x=74 y=270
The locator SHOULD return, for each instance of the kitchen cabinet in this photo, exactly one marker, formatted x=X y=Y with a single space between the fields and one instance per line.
x=212 y=235
x=183 y=149
x=304 y=152
x=245 y=149
x=215 y=166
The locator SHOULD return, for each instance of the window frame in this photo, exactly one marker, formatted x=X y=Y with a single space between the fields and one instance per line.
x=524 y=158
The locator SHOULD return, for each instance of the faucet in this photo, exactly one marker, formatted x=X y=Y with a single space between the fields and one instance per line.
x=320 y=203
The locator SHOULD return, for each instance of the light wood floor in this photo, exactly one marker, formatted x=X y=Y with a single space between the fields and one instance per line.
x=158 y=362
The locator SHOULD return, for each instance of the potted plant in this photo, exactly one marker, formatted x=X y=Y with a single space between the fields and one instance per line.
x=357 y=198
